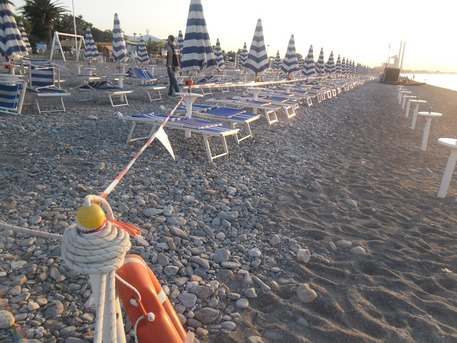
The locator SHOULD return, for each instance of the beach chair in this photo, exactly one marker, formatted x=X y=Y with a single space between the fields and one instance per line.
x=205 y=128
x=235 y=117
x=96 y=85
x=44 y=82
x=12 y=93
x=287 y=105
x=147 y=83
x=268 y=110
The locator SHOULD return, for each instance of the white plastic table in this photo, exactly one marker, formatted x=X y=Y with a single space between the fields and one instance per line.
x=416 y=103
x=428 y=116
x=450 y=143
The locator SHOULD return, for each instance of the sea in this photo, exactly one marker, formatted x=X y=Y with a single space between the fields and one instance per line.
x=448 y=81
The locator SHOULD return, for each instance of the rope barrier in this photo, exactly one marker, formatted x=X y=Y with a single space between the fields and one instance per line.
x=118 y=178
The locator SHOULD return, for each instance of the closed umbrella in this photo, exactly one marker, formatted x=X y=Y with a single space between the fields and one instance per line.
x=244 y=55
x=143 y=56
x=25 y=38
x=180 y=40
x=290 y=62
x=320 y=67
x=308 y=66
x=197 y=55
x=119 y=48
x=338 y=67
x=277 y=62
x=90 y=49
x=11 y=43
x=218 y=55
x=257 y=61
x=330 y=65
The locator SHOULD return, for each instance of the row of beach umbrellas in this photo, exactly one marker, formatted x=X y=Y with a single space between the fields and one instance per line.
x=197 y=53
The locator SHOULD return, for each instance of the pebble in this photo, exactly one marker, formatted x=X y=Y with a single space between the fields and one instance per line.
x=358 y=251
x=6 y=319
x=303 y=255
x=306 y=294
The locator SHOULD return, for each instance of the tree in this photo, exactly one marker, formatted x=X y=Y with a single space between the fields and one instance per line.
x=42 y=15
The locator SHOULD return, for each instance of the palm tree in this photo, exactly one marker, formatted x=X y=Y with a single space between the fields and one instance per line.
x=42 y=14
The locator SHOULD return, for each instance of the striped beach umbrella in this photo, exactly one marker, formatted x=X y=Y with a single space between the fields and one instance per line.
x=290 y=61
x=197 y=53
x=180 y=40
x=330 y=65
x=309 y=67
x=277 y=62
x=338 y=68
x=218 y=55
x=25 y=38
x=320 y=66
x=119 y=49
x=90 y=49
x=11 y=43
x=244 y=55
x=143 y=56
x=257 y=61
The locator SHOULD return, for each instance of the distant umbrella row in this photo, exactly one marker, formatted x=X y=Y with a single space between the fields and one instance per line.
x=199 y=56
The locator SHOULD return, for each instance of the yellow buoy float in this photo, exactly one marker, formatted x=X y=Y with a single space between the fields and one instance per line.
x=90 y=217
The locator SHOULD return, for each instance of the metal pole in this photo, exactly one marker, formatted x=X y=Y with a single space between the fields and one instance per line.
x=74 y=26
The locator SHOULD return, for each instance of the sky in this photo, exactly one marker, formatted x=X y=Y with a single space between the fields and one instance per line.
x=367 y=32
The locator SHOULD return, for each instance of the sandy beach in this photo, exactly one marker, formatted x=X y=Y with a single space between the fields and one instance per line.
x=345 y=179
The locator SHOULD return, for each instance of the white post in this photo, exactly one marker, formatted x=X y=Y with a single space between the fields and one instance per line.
x=446 y=180
x=413 y=122
x=189 y=99
x=109 y=323
x=428 y=123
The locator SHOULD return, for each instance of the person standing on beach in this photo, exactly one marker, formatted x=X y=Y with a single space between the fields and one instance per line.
x=173 y=64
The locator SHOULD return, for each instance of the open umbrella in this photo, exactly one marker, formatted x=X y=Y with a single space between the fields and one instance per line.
x=197 y=55
x=290 y=62
x=25 y=38
x=143 y=56
x=119 y=49
x=11 y=43
x=277 y=62
x=257 y=61
x=330 y=65
x=308 y=66
x=90 y=49
x=218 y=55
x=320 y=67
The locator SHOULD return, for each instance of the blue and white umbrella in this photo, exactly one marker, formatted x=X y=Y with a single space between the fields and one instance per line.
x=90 y=49
x=119 y=48
x=218 y=55
x=197 y=53
x=338 y=68
x=320 y=66
x=257 y=61
x=277 y=62
x=180 y=40
x=143 y=56
x=244 y=55
x=309 y=67
x=330 y=65
x=290 y=61
x=11 y=43
x=25 y=38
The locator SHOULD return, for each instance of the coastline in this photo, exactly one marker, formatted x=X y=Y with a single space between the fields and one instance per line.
x=347 y=171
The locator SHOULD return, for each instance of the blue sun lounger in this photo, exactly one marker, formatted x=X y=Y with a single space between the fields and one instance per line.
x=233 y=116
x=12 y=93
x=203 y=127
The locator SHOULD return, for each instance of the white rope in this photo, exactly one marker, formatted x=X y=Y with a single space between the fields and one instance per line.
x=30 y=232
x=101 y=254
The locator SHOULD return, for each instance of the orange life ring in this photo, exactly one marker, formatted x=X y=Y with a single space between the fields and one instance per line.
x=146 y=304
